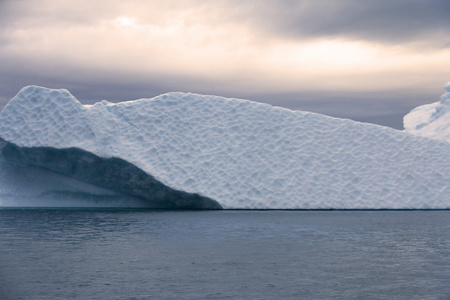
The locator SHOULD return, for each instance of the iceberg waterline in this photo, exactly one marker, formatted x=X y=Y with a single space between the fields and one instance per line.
x=239 y=153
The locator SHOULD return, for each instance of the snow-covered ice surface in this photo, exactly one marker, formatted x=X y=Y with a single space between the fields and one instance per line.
x=241 y=153
x=431 y=120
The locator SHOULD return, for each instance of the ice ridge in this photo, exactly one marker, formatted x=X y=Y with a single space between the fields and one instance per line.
x=244 y=155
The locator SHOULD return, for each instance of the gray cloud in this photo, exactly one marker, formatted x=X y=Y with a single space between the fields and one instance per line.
x=397 y=21
x=28 y=13
x=394 y=21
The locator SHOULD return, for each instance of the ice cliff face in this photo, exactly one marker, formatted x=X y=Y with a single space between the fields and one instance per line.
x=431 y=120
x=239 y=153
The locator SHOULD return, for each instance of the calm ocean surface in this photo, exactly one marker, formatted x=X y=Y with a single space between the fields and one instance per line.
x=132 y=254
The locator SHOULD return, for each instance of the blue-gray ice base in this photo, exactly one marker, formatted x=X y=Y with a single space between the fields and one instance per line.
x=113 y=173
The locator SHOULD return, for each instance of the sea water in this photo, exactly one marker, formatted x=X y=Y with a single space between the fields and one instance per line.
x=156 y=254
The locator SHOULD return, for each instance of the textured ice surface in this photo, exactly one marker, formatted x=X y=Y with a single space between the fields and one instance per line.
x=431 y=120
x=240 y=153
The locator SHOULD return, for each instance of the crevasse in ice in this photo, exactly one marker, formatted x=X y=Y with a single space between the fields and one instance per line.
x=240 y=153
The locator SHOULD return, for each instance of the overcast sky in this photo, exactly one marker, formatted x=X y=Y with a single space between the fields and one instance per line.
x=370 y=61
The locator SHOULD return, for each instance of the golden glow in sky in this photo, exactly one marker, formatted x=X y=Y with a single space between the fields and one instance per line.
x=188 y=43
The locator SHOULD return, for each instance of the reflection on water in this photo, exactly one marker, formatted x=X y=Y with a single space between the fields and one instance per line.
x=132 y=254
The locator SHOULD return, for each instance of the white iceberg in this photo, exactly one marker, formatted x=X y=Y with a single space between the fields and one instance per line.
x=242 y=154
x=431 y=120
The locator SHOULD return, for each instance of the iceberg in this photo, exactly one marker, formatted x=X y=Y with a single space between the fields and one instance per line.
x=190 y=151
x=431 y=120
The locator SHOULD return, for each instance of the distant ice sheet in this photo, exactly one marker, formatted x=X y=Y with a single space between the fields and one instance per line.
x=241 y=153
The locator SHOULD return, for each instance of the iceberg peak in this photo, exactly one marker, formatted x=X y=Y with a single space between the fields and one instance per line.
x=431 y=120
x=447 y=87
